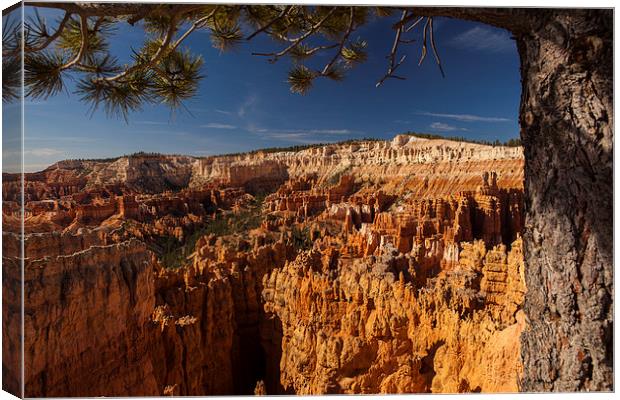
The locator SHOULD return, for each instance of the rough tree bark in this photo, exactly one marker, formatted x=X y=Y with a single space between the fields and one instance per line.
x=567 y=130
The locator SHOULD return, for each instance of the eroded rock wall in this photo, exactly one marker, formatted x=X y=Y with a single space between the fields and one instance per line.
x=363 y=327
x=373 y=267
x=86 y=322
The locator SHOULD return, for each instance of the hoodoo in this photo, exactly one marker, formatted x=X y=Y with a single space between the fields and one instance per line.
x=365 y=267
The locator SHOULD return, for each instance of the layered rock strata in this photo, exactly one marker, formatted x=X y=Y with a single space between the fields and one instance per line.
x=371 y=267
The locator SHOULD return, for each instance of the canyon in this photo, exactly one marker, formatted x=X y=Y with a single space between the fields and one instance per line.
x=358 y=267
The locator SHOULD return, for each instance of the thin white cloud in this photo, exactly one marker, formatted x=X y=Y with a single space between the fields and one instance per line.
x=301 y=132
x=286 y=136
x=28 y=167
x=295 y=137
x=37 y=152
x=465 y=117
x=223 y=112
x=73 y=139
x=43 y=152
x=166 y=133
x=484 y=39
x=215 y=125
x=247 y=104
x=330 y=131
x=305 y=136
x=152 y=123
x=440 y=126
x=35 y=167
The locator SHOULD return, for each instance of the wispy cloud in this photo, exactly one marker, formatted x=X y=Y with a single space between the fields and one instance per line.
x=300 y=135
x=223 y=112
x=306 y=132
x=152 y=123
x=295 y=137
x=54 y=139
x=37 y=152
x=440 y=126
x=43 y=152
x=287 y=136
x=465 y=117
x=247 y=104
x=215 y=125
x=329 y=131
x=33 y=167
x=484 y=39
x=166 y=133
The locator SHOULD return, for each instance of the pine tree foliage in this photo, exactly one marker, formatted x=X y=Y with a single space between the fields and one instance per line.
x=43 y=75
x=163 y=70
x=355 y=53
x=11 y=60
x=300 y=78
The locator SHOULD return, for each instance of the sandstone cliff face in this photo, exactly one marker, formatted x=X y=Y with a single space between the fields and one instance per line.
x=140 y=173
x=365 y=328
x=425 y=166
x=372 y=267
x=85 y=321
x=420 y=165
x=155 y=330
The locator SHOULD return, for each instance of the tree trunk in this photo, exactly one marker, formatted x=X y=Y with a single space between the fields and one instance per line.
x=567 y=131
x=566 y=121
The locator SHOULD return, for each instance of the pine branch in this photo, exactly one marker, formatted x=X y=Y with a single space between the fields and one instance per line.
x=280 y=36
x=435 y=53
x=100 y=9
x=83 y=46
x=47 y=42
x=321 y=48
x=302 y=52
x=138 y=17
x=100 y=21
x=300 y=79
x=54 y=36
x=392 y=57
x=225 y=34
x=338 y=54
x=154 y=59
x=197 y=24
x=300 y=39
x=11 y=38
x=424 y=41
x=159 y=71
x=270 y=23
x=414 y=24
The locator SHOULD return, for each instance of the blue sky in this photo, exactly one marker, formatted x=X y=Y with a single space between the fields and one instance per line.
x=244 y=102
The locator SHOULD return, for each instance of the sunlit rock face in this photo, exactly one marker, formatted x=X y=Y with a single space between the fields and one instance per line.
x=367 y=326
x=362 y=267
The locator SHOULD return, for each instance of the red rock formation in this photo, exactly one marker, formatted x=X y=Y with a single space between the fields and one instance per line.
x=371 y=267
x=87 y=316
x=367 y=328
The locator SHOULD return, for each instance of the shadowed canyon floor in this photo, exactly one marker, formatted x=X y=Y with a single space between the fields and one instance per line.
x=365 y=267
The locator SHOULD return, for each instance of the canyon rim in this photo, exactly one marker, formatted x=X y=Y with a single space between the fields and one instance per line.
x=247 y=244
